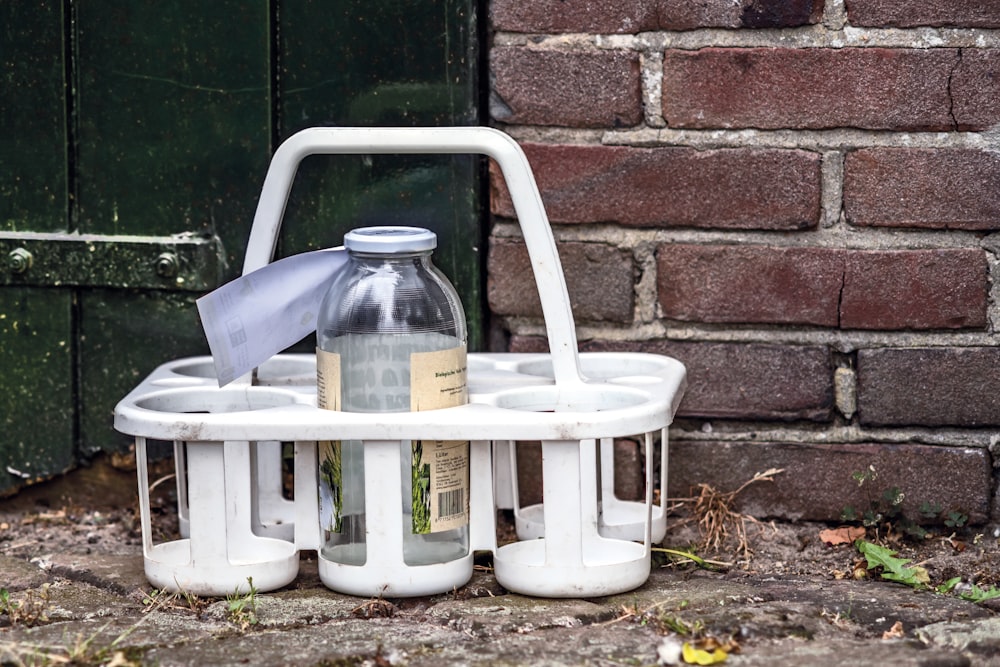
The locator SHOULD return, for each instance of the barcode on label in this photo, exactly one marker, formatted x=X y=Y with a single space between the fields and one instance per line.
x=451 y=503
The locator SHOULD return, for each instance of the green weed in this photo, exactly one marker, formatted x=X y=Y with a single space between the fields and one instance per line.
x=897 y=569
x=885 y=510
x=893 y=568
x=30 y=610
x=241 y=608
x=84 y=650
x=974 y=594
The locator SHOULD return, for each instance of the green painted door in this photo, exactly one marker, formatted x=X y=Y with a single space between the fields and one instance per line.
x=135 y=139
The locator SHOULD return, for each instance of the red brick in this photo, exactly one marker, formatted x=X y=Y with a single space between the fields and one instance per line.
x=771 y=88
x=634 y=16
x=850 y=289
x=630 y=483
x=817 y=483
x=529 y=473
x=912 y=13
x=751 y=284
x=745 y=380
x=771 y=189
x=754 y=381
x=687 y=15
x=519 y=343
x=923 y=187
x=573 y=89
x=600 y=279
x=929 y=386
x=561 y=16
x=975 y=88
x=915 y=289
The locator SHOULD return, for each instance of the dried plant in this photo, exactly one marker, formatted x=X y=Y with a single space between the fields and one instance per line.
x=718 y=523
x=31 y=609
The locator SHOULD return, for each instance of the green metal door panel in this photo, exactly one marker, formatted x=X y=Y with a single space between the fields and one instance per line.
x=123 y=337
x=395 y=62
x=173 y=117
x=135 y=140
x=36 y=386
x=32 y=117
x=37 y=426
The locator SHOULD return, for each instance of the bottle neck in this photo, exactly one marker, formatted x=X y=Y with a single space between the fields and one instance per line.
x=395 y=257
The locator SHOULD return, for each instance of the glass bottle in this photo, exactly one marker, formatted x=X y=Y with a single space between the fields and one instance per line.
x=391 y=337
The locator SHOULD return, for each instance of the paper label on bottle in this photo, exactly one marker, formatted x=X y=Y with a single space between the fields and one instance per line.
x=438 y=379
x=449 y=483
x=331 y=488
x=327 y=380
x=440 y=467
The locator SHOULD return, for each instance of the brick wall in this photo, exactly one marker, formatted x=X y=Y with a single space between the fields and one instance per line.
x=799 y=201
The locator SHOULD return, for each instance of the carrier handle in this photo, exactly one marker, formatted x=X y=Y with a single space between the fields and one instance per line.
x=439 y=140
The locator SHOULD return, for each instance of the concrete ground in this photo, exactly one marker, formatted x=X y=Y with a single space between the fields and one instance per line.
x=75 y=607
x=71 y=566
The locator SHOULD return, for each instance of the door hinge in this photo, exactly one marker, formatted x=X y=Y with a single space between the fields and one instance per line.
x=188 y=261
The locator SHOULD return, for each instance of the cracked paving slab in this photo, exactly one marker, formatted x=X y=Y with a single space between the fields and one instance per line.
x=97 y=600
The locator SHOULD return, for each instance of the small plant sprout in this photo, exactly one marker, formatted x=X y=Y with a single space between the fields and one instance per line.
x=863 y=476
x=971 y=593
x=885 y=510
x=930 y=510
x=30 y=610
x=83 y=650
x=241 y=608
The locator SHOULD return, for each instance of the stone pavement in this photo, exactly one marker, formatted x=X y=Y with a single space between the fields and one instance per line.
x=99 y=611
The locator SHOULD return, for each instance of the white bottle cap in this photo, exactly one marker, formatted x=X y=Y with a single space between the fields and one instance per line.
x=390 y=239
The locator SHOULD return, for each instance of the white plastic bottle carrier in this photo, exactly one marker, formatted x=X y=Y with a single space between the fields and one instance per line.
x=579 y=542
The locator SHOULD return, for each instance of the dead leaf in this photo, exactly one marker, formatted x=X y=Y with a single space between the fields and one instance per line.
x=895 y=632
x=842 y=535
x=698 y=656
